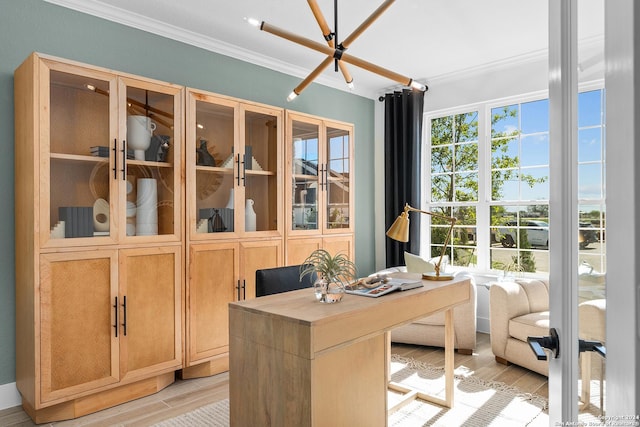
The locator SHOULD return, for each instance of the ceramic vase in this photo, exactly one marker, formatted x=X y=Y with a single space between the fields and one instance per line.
x=249 y=216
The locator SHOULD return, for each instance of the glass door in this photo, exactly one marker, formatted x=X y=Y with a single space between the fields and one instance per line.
x=149 y=159
x=261 y=161
x=577 y=214
x=336 y=180
x=306 y=172
x=212 y=163
x=81 y=161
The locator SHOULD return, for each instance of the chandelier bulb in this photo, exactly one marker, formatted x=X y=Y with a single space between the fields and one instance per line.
x=253 y=21
x=293 y=95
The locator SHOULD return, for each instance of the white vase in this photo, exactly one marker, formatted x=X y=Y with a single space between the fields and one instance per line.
x=230 y=201
x=139 y=131
x=249 y=216
x=147 y=207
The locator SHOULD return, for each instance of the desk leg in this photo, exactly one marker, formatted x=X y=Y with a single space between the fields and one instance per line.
x=449 y=342
x=410 y=394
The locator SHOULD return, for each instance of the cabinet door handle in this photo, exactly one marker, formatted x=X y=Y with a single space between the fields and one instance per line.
x=124 y=315
x=116 y=310
x=326 y=176
x=238 y=289
x=238 y=163
x=244 y=289
x=115 y=158
x=320 y=175
x=124 y=160
x=244 y=170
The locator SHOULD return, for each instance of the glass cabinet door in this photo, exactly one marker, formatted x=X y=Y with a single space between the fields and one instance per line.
x=260 y=166
x=336 y=179
x=211 y=148
x=81 y=143
x=306 y=174
x=149 y=155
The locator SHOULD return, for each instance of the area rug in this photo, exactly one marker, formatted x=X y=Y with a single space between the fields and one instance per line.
x=477 y=403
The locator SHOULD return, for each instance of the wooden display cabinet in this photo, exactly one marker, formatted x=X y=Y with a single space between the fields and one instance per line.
x=233 y=163
x=319 y=201
x=80 y=204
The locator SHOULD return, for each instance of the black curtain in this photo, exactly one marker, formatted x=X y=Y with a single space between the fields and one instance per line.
x=402 y=148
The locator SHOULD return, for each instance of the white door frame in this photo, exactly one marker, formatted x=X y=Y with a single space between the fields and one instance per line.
x=563 y=202
x=622 y=83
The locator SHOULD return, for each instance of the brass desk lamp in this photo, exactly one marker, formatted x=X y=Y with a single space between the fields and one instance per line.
x=399 y=231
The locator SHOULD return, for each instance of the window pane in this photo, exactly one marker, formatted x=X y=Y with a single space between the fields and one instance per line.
x=442 y=131
x=467 y=127
x=505 y=185
x=535 y=116
x=466 y=187
x=505 y=153
x=590 y=145
x=534 y=184
x=440 y=188
x=466 y=157
x=535 y=150
x=504 y=121
x=590 y=181
x=590 y=108
x=442 y=159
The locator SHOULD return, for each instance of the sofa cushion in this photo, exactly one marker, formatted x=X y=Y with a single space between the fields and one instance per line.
x=532 y=324
x=417 y=264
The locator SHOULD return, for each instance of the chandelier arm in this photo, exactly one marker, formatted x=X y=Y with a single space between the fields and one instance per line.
x=320 y=68
x=326 y=33
x=350 y=59
x=367 y=23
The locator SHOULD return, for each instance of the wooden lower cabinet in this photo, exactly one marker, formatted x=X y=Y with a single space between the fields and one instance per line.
x=220 y=273
x=87 y=363
x=299 y=249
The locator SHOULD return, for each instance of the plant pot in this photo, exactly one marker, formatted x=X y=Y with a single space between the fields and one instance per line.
x=328 y=292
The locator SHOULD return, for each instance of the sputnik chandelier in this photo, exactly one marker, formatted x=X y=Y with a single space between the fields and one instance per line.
x=334 y=50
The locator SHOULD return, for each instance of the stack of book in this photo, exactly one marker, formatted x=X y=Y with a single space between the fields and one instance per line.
x=103 y=151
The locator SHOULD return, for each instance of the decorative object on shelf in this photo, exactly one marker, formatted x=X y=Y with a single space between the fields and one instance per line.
x=230 y=201
x=249 y=216
x=399 y=231
x=204 y=158
x=335 y=50
x=101 y=215
x=147 y=207
x=225 y=215
x=248 y=157
x=203 y=226
x=139 y=131
x=78 y=220
x=334 y=274
x=57 y=231
x=158 y=148
x=228 y=163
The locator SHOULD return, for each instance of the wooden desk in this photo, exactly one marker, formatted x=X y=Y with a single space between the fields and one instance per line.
x=297 y=362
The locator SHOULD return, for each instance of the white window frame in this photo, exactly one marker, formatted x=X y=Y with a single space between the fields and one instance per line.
x=484 y=203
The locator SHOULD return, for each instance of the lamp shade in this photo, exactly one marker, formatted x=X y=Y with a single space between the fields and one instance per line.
x=399 y=230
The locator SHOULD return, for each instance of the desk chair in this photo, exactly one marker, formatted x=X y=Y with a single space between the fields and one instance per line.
x=281 y=279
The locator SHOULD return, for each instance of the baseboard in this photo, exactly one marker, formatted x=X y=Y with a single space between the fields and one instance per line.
x=9 y=396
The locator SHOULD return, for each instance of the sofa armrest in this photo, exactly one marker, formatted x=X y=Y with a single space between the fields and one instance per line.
x=512 y=299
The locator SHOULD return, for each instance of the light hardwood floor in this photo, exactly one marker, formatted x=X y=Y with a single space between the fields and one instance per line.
x=184 y=396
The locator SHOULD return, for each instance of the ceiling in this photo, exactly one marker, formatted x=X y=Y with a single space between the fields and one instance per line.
x=422 y=39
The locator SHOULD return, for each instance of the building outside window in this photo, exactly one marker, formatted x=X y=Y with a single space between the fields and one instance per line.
x=489 y=168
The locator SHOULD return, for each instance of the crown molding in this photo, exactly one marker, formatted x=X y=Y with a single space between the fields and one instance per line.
x=144 y=23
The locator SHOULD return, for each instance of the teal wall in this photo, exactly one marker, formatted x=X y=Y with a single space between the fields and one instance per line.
x=33 y=25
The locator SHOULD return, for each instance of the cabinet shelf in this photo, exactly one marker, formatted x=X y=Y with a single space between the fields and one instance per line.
x=78 y=158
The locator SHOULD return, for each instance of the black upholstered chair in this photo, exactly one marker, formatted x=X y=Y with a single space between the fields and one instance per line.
x=281 y=279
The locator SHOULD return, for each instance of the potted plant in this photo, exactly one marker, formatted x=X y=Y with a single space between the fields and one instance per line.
x=334 y=273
